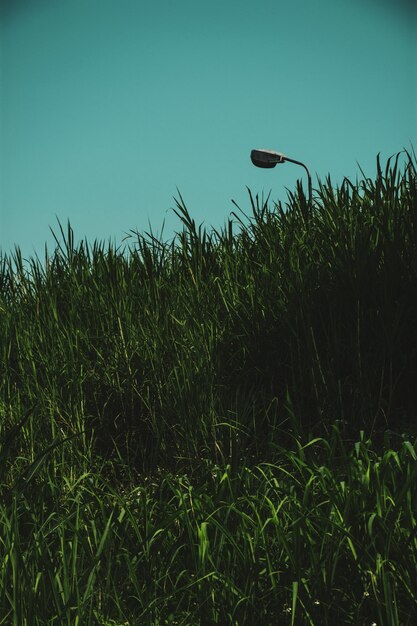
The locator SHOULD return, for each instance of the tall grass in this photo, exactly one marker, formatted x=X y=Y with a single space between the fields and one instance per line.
x=326 y=534
x=219 y=429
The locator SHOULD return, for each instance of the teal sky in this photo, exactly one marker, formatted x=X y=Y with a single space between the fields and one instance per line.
x=107 y=106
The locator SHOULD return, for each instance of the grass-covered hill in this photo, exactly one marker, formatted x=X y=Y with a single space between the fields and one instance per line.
x=219 y=429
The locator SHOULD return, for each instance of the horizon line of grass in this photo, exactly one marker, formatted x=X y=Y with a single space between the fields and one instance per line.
x=222 y=324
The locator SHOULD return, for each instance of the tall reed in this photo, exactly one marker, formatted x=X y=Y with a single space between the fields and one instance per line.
x=193 y=429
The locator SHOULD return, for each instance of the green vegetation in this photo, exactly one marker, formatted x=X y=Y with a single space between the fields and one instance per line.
x=220 y=429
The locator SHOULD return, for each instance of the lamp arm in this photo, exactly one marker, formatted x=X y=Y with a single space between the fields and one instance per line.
x=310 y=191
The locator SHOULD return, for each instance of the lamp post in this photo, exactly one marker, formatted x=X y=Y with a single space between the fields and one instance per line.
x=269 y=158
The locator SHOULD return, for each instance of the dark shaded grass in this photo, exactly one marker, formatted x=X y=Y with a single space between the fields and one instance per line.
x=176 y=336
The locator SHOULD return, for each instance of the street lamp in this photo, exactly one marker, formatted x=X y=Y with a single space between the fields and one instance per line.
x=269 y=158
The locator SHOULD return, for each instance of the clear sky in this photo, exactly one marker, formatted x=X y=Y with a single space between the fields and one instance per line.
x=107 y=106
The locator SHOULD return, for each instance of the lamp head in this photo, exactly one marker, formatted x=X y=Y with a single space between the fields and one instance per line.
x=266 y=158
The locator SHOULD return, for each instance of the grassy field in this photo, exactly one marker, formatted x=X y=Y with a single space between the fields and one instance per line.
x=218 y=429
